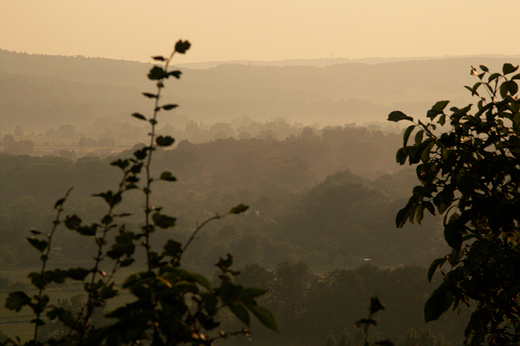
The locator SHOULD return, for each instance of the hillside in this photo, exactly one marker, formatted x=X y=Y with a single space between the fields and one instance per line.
x=39 y=92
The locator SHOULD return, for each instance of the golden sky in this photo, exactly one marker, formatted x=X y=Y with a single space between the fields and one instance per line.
x=223 y=30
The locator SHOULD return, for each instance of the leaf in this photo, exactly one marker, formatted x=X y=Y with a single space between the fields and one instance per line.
x=172 y=248
x=453 y=235
x=494 y=76
x=59 y=202
x=163 y=221
x=240 y=312
x=401 y=155
x=503 y=90
x=141 y=153
x=407 y=133
x=436 y=304
x=509 y=68
x=139 y=116
x=264 y=316
x=16 y=300
x=398 y=116
x=77 y=273
x=251 y=293
x=156 y=73
x=437 y=109
x=158 y=58
x=176 y=74
x=88 y=230
x=40 y=245
x=484 y=68
x=166 y=175
x=238 y=209
x=151 y=96
x=375 y=305
x=126 y=262
x=433 y=267
x=419 y=137
x=512 y=87
x=72 y=222
x=182 y=46
x=120 y=163
x=198 y=278
x=169 y=106
x=164 y=141
x=405 y=214
x=516 y=76
x=425 y=156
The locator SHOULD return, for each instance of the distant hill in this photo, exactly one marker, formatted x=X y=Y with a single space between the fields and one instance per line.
x=39 y=92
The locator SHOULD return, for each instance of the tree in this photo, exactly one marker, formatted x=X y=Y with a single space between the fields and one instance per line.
x=469 y=171
x=171 y=306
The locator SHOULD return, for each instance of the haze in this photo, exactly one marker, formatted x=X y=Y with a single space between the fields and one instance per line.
x=261 y=30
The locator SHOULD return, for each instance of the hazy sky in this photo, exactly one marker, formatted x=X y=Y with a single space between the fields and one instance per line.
x=222 y=30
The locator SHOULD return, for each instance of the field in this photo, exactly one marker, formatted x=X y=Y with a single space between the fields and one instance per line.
x=18 y=324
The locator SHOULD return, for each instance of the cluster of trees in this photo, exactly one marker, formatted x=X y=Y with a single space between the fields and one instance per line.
x=310 y=307
x=14 y=147
x=329 y=222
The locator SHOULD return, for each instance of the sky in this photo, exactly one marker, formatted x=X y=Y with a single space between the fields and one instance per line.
x=268 y=30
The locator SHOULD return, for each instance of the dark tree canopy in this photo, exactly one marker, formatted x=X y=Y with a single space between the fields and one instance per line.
x=468 y=166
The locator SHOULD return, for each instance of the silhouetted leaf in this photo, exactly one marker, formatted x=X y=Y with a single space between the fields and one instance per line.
x=139 y=116
x=16 y=300
x=164 y=141
x=433 y=267
x=77 y=273
x=182 y=46
x=158 y=58
x=72 y=222
x=156 y=73
x=149 y=95
x=40 y=245
x=512 y=87
x=375 y=305
x=239 y=311
x=437 y=109
x=141 y=153
x=172 y=248
x=250 y=293
x=436 y=305
x=163 y=221
x=59 y=202
x=169 y=106
x=407 y=133
x=401 y=155
x=166 y=175
x=405 y=214
x=509 y=68
x=493 y=76
x=453 y=235
x=239 y=209
x=264 y=316
x=398 y=116
x=176 y=74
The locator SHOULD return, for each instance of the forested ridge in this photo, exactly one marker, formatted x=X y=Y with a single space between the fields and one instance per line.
x=305 y=202
x=48 y=91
